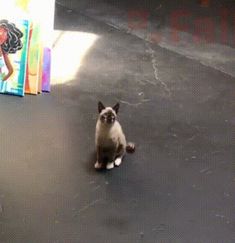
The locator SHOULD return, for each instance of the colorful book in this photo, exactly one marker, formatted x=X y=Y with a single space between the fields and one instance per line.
x=46 y=69
x=40 y=72
x=47 y=24
x=15 y=84
x=33 y=63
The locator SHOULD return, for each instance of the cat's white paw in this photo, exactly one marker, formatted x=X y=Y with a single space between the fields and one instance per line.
x=98 y=165
x=118 y=161
x=110 y=166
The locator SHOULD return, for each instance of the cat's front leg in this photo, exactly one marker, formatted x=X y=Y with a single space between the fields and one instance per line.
x=110 y=166
x=118 y=161
x=99 y=162
x=111 y=159
x=98 y=165
x=120 y=155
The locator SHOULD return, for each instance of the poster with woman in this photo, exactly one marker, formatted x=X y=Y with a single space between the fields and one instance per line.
x=13 y=56
x=27 y=69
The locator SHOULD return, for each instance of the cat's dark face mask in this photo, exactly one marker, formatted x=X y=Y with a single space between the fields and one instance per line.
x=108 y=115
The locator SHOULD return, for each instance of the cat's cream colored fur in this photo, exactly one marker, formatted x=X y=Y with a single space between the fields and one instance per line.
x=109 y=135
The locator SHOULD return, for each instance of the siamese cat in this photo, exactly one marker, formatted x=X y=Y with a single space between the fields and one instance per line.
x=110 y=140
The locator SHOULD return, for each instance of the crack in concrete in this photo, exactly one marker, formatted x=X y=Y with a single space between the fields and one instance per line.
x=148 y=81
x=88 y=206
x=134 y=104
x=155 y=68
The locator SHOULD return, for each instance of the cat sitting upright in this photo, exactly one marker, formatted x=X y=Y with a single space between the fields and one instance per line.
x=110 y=140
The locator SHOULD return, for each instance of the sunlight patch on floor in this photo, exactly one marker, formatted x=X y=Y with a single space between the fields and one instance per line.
x=68 y=52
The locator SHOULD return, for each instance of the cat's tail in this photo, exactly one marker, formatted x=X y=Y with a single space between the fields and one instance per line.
x=130 y=147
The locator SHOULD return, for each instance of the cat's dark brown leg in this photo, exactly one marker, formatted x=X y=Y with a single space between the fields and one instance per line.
x=120 y=150
x=110 y=154
x=119 y=155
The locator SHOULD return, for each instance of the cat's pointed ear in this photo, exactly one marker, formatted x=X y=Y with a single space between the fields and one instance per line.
x=116 y=108
x=100 y=106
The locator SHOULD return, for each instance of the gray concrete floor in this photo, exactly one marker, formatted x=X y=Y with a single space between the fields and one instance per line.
x=177 y=188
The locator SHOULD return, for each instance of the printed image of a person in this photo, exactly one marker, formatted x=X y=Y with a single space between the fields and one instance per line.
x=10 y=43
